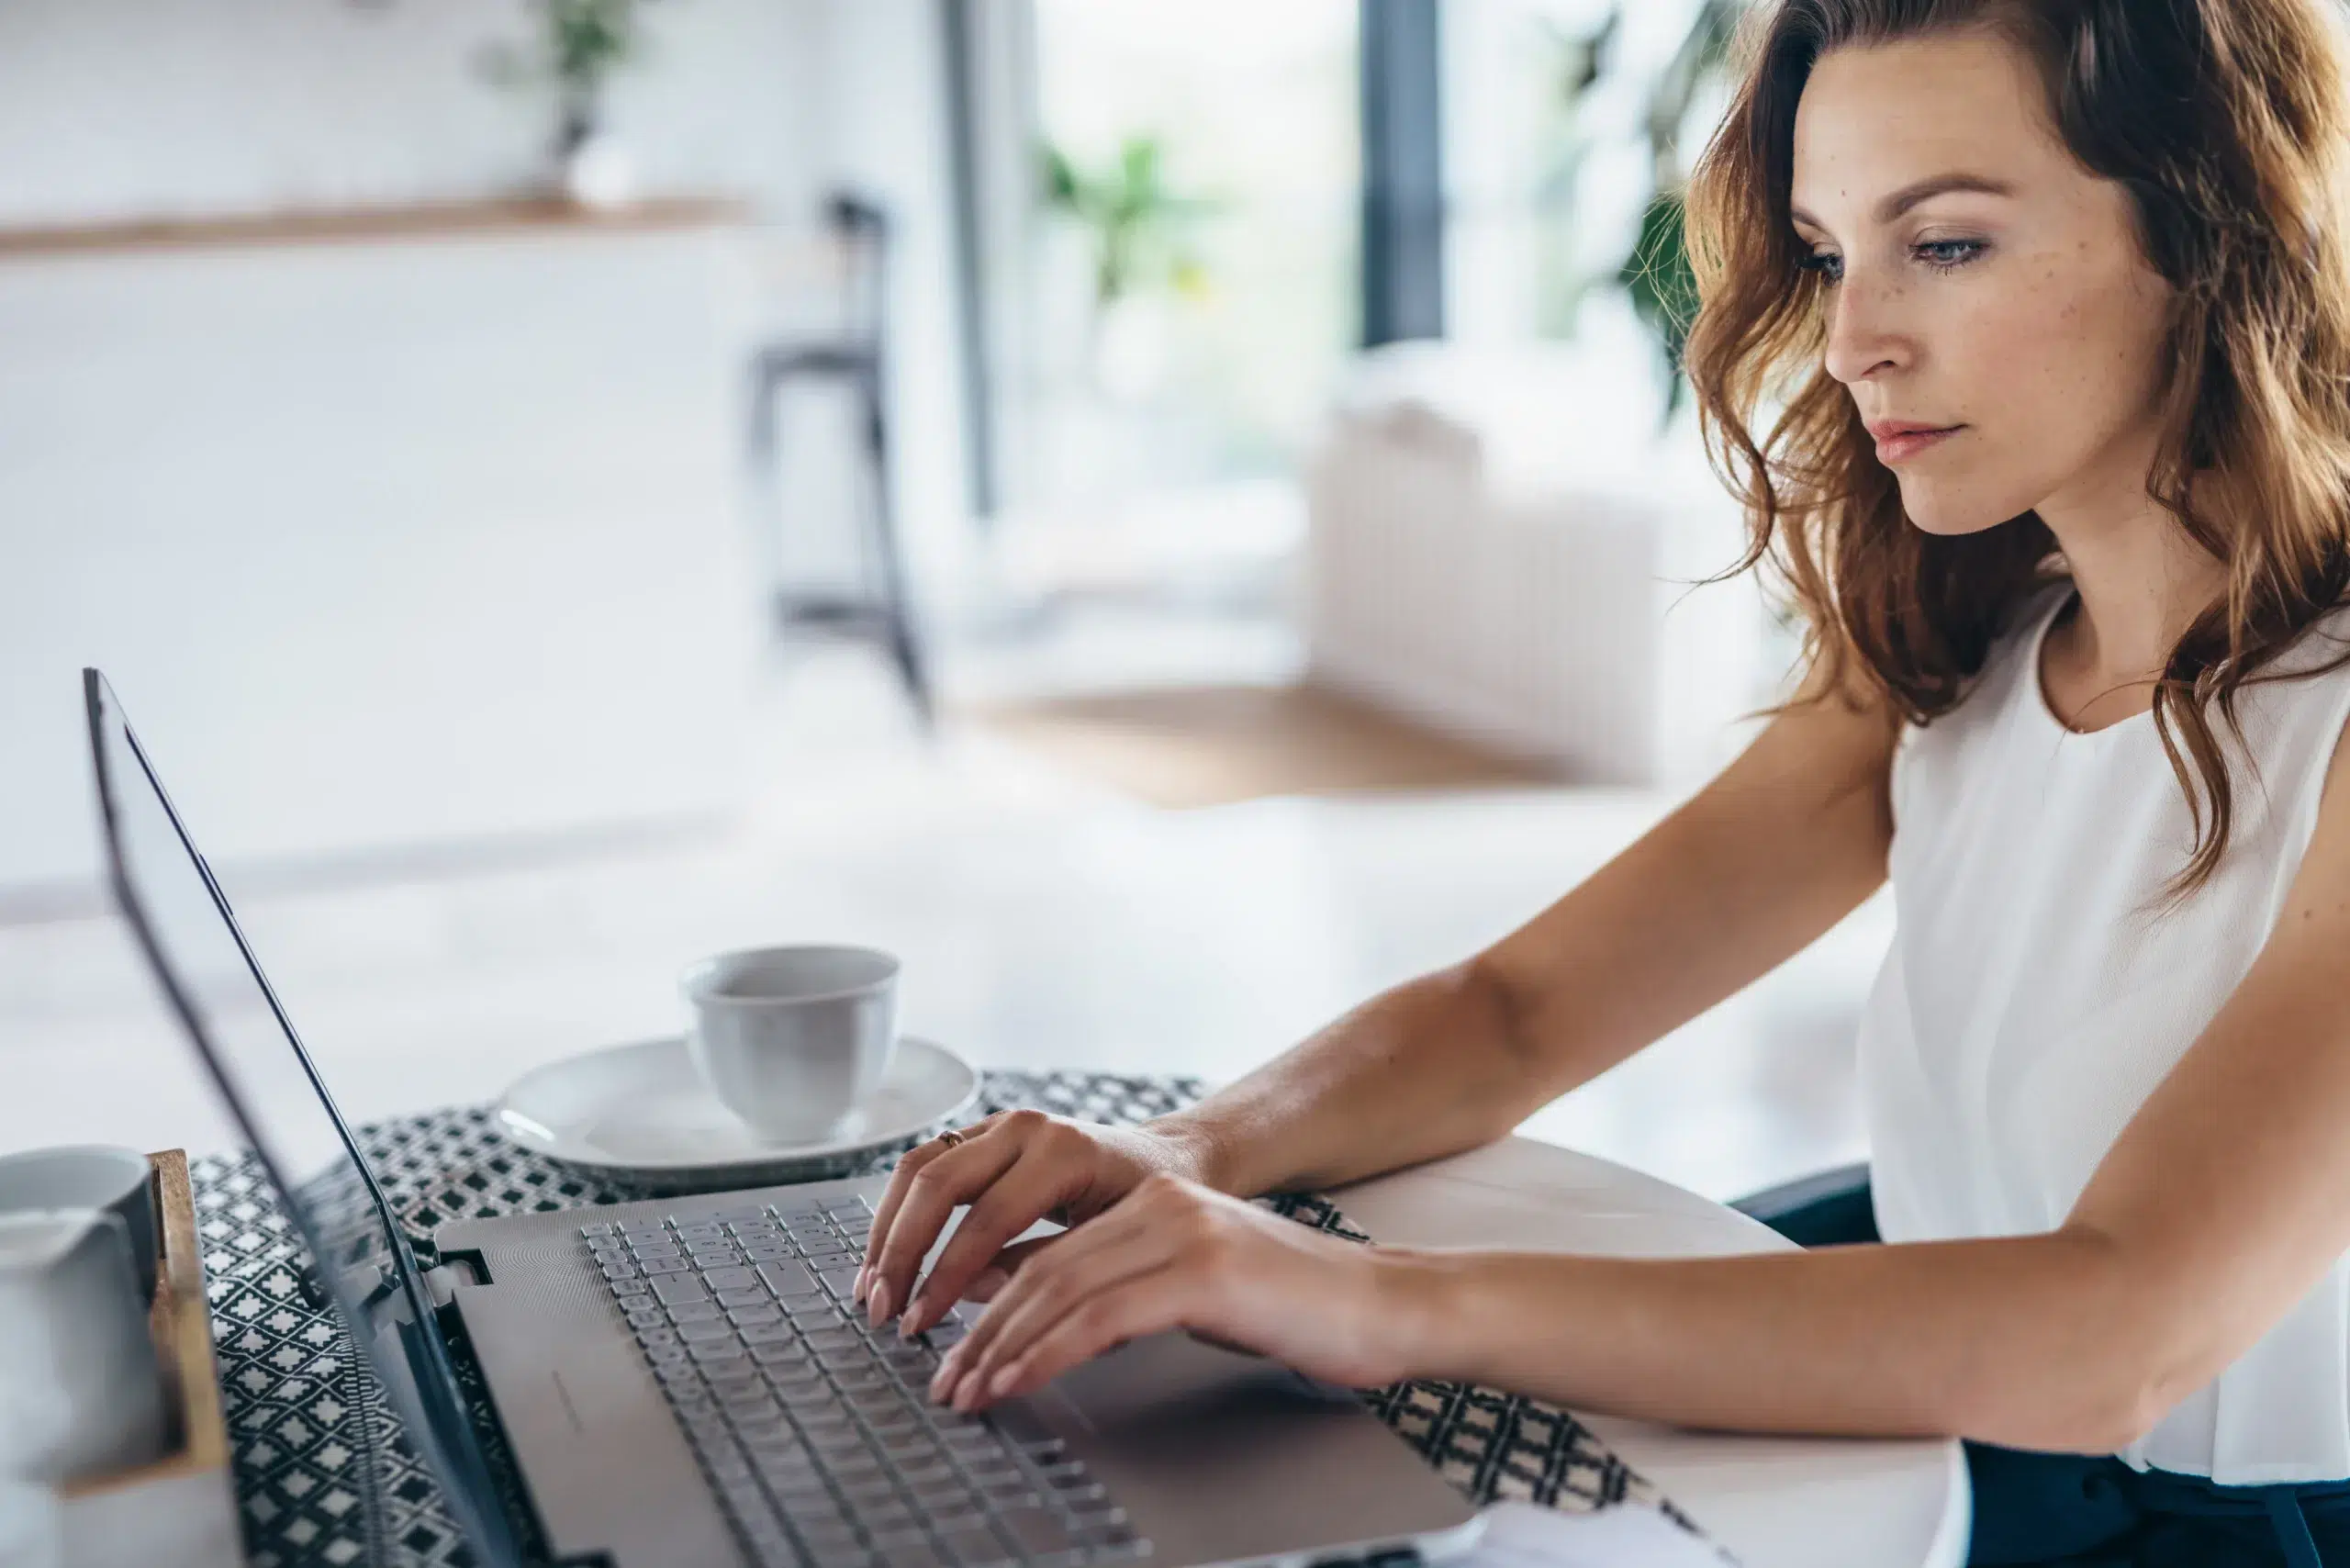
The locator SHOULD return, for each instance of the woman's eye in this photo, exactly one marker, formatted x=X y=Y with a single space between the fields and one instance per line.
x=1944 y=254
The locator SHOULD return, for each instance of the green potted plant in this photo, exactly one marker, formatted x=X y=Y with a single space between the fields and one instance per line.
x=575 y=49
x=1137 y=232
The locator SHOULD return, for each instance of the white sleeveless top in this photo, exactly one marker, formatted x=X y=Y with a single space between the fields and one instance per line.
x=2025 y=1011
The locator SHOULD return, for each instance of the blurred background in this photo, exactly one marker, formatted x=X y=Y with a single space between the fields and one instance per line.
x=1170 y=519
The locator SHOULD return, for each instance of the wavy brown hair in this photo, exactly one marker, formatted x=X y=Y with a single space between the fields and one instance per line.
x=2225 y=122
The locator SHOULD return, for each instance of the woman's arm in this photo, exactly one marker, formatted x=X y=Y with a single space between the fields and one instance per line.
x=2009 y=1341
x=1783 y=845
x=2222 y=1201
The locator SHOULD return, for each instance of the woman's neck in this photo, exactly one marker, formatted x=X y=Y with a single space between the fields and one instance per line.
x=2143 y=583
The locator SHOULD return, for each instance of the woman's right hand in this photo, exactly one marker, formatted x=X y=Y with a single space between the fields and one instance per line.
x=1013 y=1169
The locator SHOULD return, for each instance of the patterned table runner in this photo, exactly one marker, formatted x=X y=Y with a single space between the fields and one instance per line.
x=324 y=1475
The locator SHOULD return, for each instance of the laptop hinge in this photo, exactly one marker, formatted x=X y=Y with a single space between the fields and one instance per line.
x=444 y=1279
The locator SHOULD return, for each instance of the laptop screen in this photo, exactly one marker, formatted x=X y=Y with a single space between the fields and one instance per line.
x=215 y=988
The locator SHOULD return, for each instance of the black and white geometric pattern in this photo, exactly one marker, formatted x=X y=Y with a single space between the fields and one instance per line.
x=324 y=1477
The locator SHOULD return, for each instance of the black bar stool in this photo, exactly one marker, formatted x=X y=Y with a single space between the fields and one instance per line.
x=856 y=357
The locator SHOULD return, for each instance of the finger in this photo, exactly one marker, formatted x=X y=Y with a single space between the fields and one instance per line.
x=957 y=1176
x=893 y=1197
x=1024 y=1262
x=1042 y=1297
x=899 y=1183
x=1014 y=1257
x=990 y=1281
x=1145 y=1304
x=1015 y=1200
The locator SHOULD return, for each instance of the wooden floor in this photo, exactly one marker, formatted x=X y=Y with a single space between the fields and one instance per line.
x=1204 y=745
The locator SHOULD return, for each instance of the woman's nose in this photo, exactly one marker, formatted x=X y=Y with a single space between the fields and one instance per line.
x=1866 y=330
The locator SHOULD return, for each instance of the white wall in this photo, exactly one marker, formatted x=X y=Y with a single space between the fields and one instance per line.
x=114 y=109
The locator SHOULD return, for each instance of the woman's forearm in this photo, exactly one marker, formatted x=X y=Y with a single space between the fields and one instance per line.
x=1421 y=1071
x=2026 y=1342
x=1778 y=850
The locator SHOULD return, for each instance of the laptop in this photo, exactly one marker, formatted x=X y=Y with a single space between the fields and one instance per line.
x=679 y=1382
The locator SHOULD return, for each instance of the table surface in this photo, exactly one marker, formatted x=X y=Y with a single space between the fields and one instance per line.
x=1773 y=1502
x=323 y=1475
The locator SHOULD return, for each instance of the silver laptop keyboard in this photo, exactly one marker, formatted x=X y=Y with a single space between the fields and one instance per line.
x=818 y=1433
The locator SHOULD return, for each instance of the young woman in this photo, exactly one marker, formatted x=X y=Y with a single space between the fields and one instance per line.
x=2026 y=340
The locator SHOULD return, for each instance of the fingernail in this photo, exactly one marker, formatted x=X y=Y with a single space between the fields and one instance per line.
x=941 y=1387
x=911 y=1315
x=968 y=1397
x=876 y=1311
x=1003 y=1379
x=856 y=1293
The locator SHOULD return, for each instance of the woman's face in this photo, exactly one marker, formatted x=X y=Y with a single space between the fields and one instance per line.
x=1979 y=282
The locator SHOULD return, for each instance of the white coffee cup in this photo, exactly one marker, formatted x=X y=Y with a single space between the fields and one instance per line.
x=81 y=1387
x=793 y=1040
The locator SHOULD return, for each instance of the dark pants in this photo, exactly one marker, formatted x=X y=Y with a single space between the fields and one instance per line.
x=2064 y=1510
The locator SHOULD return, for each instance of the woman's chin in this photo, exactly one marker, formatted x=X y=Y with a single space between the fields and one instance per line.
x=1951 y=516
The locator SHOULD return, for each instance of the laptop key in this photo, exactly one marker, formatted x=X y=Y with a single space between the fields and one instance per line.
x=825 y=1539
x=1015 y=1420
x=786 y=1278
x=974 y=1548
x=1099 y=1522
x=1035 y=1531
x=839 y=1281
x=733 y=1277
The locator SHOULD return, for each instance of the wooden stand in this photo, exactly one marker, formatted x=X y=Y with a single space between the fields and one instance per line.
x=180 y=1511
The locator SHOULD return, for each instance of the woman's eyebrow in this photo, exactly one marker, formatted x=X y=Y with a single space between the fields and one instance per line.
x=1910 y=194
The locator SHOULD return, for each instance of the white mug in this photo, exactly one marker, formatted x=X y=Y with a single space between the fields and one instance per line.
x=793 y=1040
x=89 y=1176
x=81 y=1390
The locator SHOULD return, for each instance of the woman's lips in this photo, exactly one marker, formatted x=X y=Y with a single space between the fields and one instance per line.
x=1910 y=443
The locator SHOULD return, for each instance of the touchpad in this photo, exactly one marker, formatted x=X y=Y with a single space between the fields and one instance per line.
x=1171 y=1426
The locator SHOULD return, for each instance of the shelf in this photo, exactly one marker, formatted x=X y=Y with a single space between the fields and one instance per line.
x=532 y=215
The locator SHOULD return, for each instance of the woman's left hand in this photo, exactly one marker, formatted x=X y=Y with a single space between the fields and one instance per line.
x=1173 y=1254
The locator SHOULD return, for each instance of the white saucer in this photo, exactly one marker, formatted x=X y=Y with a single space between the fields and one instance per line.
x=641 y=1114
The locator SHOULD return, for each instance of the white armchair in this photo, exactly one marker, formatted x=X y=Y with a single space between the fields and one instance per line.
x=1499 y=546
